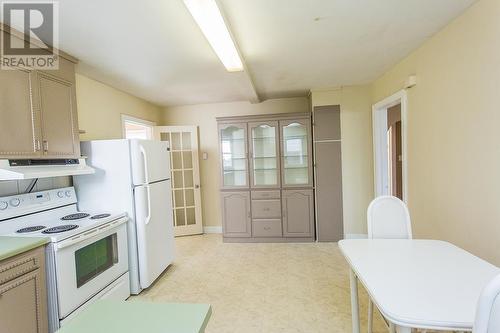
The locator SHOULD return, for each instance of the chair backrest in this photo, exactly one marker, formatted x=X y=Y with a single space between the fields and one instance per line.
x=388 y=217
x=488 y=309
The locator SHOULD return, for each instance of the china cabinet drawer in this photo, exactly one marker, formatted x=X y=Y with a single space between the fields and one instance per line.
x=266 y=209
x=259 y=195
x=266 y=228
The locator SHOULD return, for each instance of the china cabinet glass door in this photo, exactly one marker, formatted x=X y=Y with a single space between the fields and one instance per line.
x=264 y=154
x=296 y=153
x=233 y=145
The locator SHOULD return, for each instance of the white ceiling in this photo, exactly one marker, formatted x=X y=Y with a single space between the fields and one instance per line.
x=154 y=50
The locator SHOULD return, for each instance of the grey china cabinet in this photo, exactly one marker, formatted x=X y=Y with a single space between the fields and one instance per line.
x=267 y=178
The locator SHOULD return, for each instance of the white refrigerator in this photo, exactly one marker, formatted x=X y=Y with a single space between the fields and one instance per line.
x=133 y=176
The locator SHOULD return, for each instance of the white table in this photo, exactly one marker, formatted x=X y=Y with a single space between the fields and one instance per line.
x=424 y=284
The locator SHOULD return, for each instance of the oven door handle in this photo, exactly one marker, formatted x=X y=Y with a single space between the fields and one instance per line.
x=91 y=233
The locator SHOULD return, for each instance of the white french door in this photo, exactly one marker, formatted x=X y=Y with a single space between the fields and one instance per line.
x=185 y=168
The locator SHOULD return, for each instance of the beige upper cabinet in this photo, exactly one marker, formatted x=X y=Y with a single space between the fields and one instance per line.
x=38 y=112
x=20 y=134
x=59 y=117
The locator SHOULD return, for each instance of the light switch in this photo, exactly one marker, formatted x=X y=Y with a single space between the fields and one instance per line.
x=205 y=155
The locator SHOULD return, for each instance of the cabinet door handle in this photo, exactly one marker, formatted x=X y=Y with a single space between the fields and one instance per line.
x=45 y=146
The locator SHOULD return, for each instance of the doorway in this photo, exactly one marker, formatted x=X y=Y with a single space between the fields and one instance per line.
x=389 y=146
x=185 y=168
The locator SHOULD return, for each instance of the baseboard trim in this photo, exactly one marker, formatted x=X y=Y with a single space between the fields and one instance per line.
x=355 y=236
x=212 y=230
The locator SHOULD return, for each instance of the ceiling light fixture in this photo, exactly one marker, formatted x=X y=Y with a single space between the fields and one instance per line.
x=207 y=15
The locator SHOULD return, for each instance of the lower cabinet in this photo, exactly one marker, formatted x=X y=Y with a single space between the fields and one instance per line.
x=268 y=215
x=236 y=214
x=23 y=293
x=298 y=213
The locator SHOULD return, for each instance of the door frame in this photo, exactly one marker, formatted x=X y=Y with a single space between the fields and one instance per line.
x=197 y=228
x=380 y=144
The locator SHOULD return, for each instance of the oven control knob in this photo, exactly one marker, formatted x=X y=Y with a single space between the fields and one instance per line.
x=68 y=193
x=3 y=205
x=15 y=202
x=60 y=194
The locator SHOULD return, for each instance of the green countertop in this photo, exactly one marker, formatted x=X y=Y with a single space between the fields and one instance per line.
x=11 y=246
x=106 y=316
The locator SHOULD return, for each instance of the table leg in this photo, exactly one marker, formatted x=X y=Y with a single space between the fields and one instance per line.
x=401 y=329
x=354 y=302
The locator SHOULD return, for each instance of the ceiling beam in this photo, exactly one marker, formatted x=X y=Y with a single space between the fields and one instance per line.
x=253 y=95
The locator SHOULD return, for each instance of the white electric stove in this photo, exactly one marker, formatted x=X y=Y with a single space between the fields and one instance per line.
x=87 y=257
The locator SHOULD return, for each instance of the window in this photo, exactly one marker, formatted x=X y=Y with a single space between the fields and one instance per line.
x=135 y=128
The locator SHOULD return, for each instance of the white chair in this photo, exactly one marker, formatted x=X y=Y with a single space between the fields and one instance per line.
x=388 y=218
x=488 y=309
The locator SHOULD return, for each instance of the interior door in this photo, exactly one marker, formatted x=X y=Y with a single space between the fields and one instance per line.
x=185 y=169
x=155 y=242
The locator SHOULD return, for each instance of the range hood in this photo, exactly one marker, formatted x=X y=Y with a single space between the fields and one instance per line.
x=31 y=169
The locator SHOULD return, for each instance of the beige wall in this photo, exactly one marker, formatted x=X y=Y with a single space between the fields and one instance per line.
x=203 y=115
x=100 y=108
x=357 y=156
x=453 y=131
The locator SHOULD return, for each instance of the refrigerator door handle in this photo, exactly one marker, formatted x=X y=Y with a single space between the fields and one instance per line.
x=145 y=159
x=148 y=217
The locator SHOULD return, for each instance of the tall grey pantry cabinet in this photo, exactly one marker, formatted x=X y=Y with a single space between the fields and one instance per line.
x=328 y=173
x=267 y=178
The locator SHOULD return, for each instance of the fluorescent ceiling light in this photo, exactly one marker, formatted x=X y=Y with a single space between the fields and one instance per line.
x=209 y=18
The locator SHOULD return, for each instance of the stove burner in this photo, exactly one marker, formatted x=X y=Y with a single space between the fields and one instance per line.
x=61 y=228
x=31 y=229
x=100 y=216
x=75 y=216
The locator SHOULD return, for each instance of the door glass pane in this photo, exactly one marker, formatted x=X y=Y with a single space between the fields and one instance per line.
x=165 y=136
x=176 y=160
x=187 y=157
x=188 y=178
x=264 y=159
x=234 y=162
x=295 y=154
x=179 y=198
x=178 y=183
x=190 y=216
x=189 y=197
x=180 y=217
x=94 y=259
x=176 y=141
x=186 y=141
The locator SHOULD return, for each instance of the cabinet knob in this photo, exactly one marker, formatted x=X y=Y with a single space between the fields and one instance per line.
x=45 y=146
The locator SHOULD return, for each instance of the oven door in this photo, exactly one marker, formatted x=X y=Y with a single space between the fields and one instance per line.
x=88 y=263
